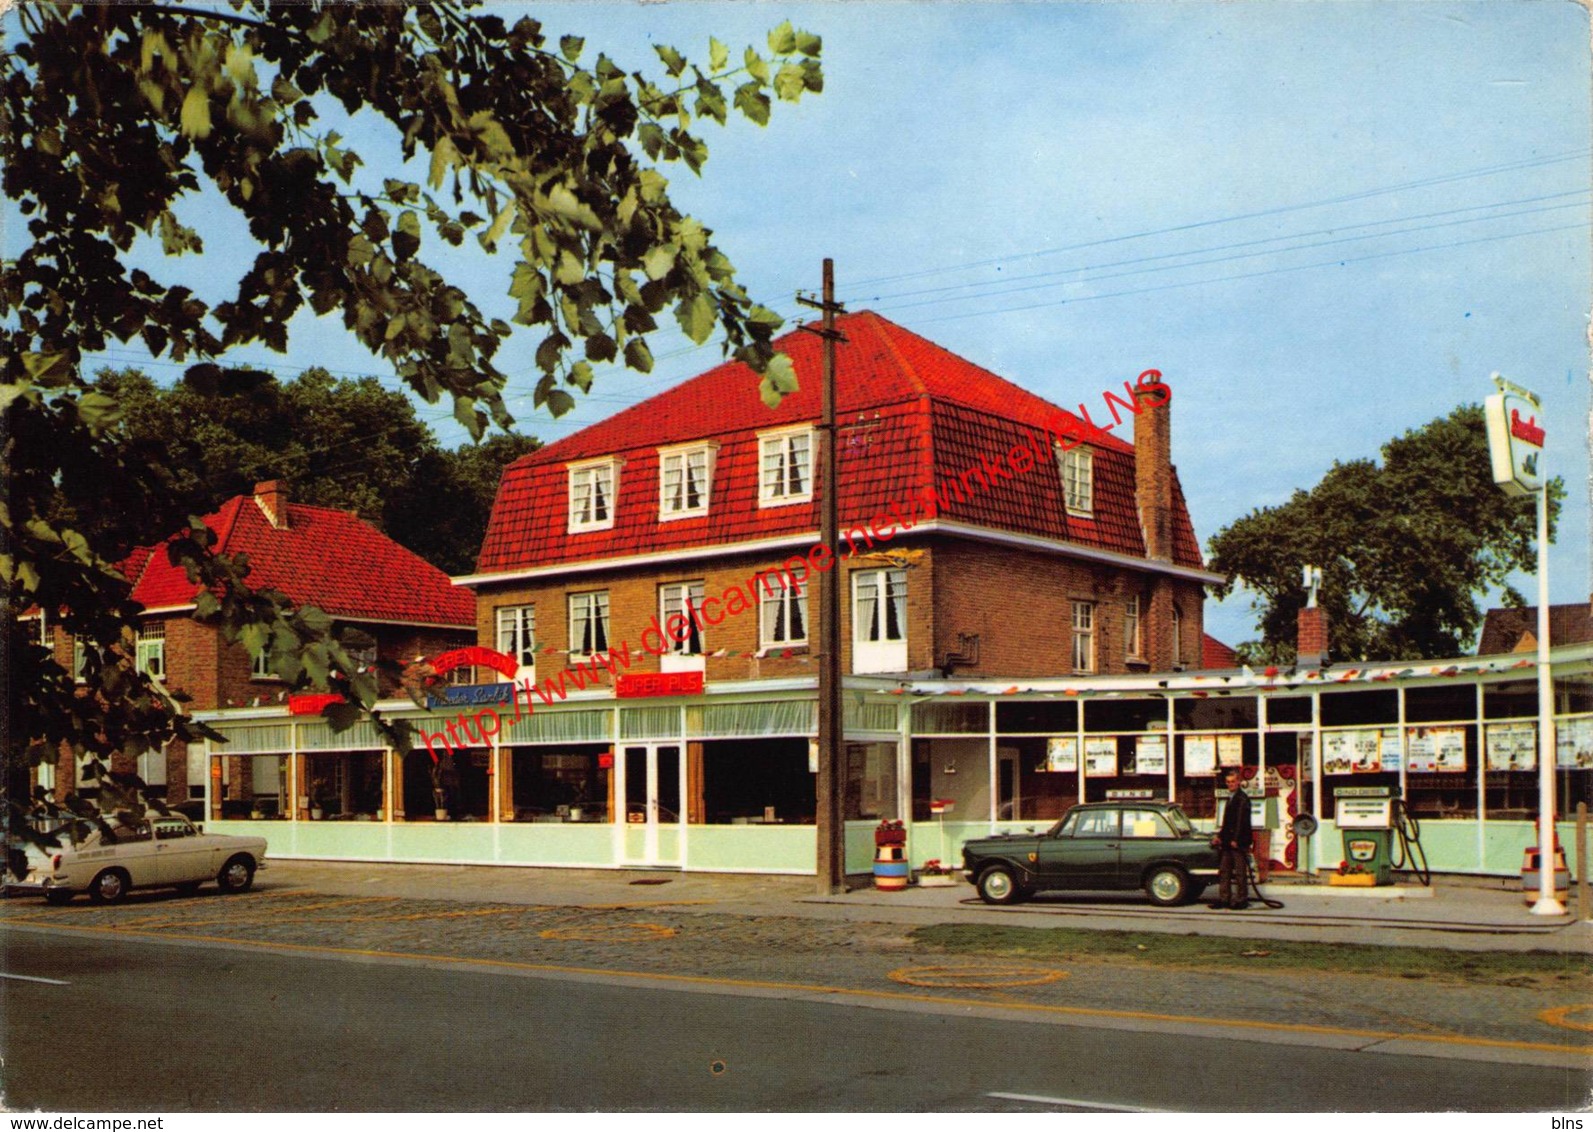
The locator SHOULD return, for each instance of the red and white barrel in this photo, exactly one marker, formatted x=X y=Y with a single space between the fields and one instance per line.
x=890 y=868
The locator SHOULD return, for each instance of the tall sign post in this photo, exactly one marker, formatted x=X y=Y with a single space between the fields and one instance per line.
x=1515 y=444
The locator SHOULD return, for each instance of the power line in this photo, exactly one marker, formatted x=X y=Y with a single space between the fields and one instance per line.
x=1488 y=171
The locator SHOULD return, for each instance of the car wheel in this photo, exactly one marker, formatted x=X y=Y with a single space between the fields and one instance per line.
x=1167 y=886
x=998 y=886
x=236 y=875
x=109 y=887
x=57 y=895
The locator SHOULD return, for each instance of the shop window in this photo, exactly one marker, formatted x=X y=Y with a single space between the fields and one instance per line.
x=1445 y=702
x=1343 y=709
x=1039 y=717
x=1441 y=768
x=255 y=787
x=1288 y=709
x=453 y=788
x=1219 y=713
x=1124 y=762
x=346 y=785
x=1125 y=715
x=954 y=770
x=942 y=718
x=1046 y=777
x=1202 y=760
x=560 y=784
x=1573 y=694
x=870 y=782
x=592 y=488
x=757 y=781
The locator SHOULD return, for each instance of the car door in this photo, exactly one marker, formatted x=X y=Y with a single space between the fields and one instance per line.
x=135 y=852
x=1084 y=853
x=180 y=857
x=1146 y=837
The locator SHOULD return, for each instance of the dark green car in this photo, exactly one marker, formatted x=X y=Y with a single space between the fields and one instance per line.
x=1097 y=846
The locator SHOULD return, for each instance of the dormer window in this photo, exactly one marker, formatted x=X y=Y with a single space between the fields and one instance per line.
x=1078 y=480
x=685 y=481
x=592 y=487
x=786 y=463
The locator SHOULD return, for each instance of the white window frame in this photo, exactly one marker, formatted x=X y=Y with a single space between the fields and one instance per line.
x=774 y=489
x=585 y=478
x=151 y=649
x=515 y=633
x=875 y=595
x=1076 y=466
x=1178 y=637
x=260 y=667
x=684 y=599
x=589 y=607
x=680 y=460
x=1083 y=636
x=1133 y=630
x=779 y=593
x=79 y=658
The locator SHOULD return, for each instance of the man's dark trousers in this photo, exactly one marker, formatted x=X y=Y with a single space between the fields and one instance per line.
x=1233 y=844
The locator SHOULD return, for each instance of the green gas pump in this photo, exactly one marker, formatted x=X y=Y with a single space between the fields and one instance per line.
x=1367 y=819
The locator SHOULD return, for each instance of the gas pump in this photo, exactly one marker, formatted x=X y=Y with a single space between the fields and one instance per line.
x=1366 y=817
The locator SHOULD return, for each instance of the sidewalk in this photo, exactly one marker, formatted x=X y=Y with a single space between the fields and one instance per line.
x=1461 y=913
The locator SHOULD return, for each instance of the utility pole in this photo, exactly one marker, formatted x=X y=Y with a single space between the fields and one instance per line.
x=831 y=830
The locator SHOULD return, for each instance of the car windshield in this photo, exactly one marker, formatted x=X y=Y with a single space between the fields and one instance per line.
x=1180 y=823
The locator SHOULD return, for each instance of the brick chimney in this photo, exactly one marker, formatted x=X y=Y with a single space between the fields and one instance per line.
x=272 y=498
x=1153 y=469
x=1311 y=637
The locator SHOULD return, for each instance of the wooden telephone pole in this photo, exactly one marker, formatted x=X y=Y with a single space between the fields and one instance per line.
x=831 y=829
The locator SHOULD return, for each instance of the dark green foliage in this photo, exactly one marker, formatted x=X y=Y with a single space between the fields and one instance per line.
x=1406 y=547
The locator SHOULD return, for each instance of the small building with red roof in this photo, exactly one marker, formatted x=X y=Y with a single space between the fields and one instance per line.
x=317 y=556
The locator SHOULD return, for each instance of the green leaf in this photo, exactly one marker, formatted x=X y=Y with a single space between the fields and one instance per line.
x=98 y=410
x=500 y=225
x=696 y=317
x=673 y=62
x=651 y=135
x=658 y=260
x=570 y=47
x=196 y=114
x=206 y=604
x=406 y=240
x=559 y=402
x=789 y=82
x=756 y=66
x=360 y=251
x=444 y=156
x=581 y=376
x=550 y=351
x=51 y=371
x=752 y=102
x=718 y=55
x=253 y=637
x=782 y=40
x=341 y=716
x=781 y=374
x=313 y=619
x=763 y=316
x=569 y=269
x=638 y=356
x=600 y=348
x=809 y=44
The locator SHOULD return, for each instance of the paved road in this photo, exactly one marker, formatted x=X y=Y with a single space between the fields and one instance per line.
x=692 y=941
x=213 y=1027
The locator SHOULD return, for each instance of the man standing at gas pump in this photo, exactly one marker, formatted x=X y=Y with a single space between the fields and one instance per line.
x=1232 y=842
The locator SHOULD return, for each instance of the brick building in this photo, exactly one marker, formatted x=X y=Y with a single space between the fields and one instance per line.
x=317 y=556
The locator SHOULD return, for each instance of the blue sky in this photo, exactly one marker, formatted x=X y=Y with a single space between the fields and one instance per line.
x=1325 y=223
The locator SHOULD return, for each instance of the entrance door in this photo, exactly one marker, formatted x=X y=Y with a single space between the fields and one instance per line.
x=652 y=786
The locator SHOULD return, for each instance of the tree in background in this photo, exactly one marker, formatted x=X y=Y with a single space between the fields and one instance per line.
x=1406 y=547
x=348 y=443
x=119 y=116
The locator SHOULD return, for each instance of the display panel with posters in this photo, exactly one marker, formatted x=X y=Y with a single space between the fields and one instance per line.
x=1062 y=753
x=1150 y=754
x=1200 y=754
x=1230 y=750
x=1390 y=750
x=1513 y=746
x=1100 y=758
x=1437 y=750
x=1573 y=741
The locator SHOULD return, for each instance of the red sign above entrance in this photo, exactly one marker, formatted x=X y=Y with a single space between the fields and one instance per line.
x=311 y=703
x=638 y=684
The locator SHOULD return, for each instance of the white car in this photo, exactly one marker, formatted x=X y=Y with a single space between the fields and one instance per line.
x=157 y=851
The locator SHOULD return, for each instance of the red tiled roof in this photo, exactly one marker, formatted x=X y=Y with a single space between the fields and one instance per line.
x=909 y=412
x=327 y=558
x=1215 y=654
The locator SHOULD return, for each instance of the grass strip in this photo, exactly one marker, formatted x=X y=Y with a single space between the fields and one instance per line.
x=1156 y=949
